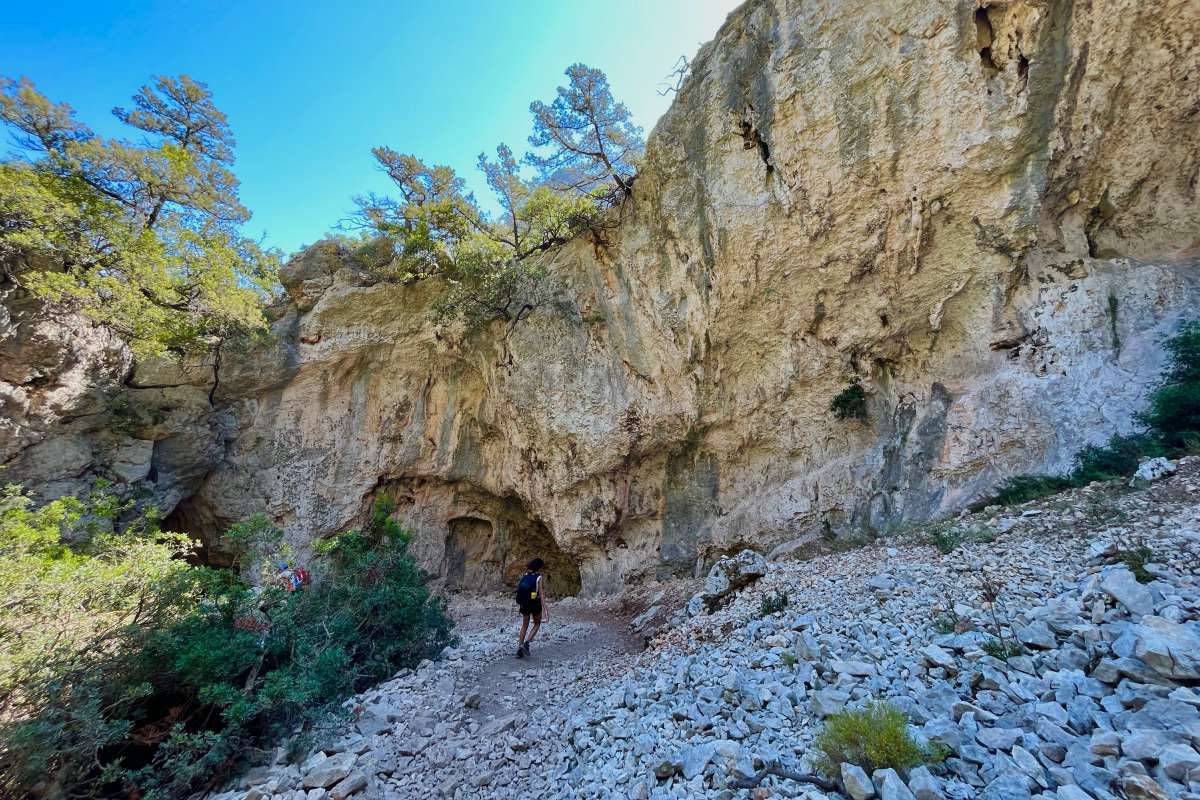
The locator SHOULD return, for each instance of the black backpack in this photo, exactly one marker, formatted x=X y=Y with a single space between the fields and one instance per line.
x=527 y=588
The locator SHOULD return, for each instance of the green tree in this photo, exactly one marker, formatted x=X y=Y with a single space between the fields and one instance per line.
x=1174 y=413
x=143 y=236
x=591 y=137
x=127 y=671
x=489 y=261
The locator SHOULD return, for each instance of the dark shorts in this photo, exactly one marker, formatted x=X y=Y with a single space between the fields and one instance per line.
x=533 y=607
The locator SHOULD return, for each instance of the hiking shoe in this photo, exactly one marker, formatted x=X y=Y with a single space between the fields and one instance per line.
x=520 y=651
x=526 y=646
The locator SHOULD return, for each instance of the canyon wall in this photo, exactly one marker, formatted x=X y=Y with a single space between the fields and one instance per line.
x=986 y=215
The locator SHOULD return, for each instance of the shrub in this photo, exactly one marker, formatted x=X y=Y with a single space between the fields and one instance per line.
x=1002 y=649
x=874 y=737
x=947 y=540
x=1174 y=413
x=773 y=603
x=850 y=403
x=1023 y=488
x=177 y=672
x=1117 y=459
x=1136 y=554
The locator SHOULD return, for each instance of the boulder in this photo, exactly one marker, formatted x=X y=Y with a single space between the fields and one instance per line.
x=856 y=782
x=1152 y=469
x=1122 y=586
x=1171 y=649
x=329 y=771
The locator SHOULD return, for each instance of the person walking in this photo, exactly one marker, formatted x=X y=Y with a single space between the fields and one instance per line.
x=531 y=601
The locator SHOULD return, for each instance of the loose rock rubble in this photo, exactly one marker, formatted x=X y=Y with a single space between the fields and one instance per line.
x=1094 y=695
x=1096 y=704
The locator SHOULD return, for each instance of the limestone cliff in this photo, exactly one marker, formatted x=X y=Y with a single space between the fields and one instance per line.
x=987 y=215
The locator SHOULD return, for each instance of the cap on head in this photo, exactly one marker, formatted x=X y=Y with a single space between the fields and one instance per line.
x=536 y=564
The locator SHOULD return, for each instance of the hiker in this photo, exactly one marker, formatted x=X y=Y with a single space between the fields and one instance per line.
x=531 y=595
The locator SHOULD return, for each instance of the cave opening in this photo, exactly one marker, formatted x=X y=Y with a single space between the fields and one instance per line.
x=492 y=554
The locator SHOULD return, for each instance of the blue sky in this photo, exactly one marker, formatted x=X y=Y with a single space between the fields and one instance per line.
x=310 y=87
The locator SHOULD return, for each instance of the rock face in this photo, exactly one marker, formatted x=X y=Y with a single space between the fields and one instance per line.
x=986 y=216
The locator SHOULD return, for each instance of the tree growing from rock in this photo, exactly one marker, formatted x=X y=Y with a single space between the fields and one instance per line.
x=141 y=235
x=487 y=259
x=593 y=144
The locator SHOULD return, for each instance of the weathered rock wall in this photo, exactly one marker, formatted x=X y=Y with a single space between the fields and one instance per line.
x=986 y=215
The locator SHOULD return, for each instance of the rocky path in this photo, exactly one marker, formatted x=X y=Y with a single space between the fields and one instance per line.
x=481 y=722
x=1098 y=702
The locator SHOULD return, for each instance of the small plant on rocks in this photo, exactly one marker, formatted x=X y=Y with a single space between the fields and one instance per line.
x=947 y=540
x=1001 y=646
x=773 y=603
x=1136 y=554
x=874 y=737
x=1003 y=649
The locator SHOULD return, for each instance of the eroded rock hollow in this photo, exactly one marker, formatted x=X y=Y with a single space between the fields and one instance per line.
x=984 y=214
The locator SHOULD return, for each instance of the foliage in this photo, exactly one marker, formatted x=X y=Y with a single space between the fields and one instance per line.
x=591 y=136
x=1136 y=554
x=1024 y=488
x=1117 y=459
x=1174 y=414
x=850 y=403
x=489 y=262
x=1172 y=428
x=143 y=236
x=773 y=603
x=874 y=737
x=1002 y=649
x=175 y=673
x=71 y=612
x=947 y=540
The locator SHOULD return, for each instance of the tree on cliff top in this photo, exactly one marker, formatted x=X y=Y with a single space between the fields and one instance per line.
x=143 y=236
x=436 y=228
x=591 y=136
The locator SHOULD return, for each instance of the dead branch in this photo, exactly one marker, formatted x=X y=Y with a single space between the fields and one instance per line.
x=780 y=772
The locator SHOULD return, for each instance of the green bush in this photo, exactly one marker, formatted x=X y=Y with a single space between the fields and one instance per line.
x=1174 y=414
x=773 y=603
x=947 y=540
x=850 y=403
x=176 y=674
x=1117 y=459
x=1172 y=429
x=1002 y=649
x=1136 y=554
x=1023 y=488
x=874 y=737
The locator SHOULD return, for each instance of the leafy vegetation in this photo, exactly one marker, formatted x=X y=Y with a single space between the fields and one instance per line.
x=1171 y=428
x=850 y=403
x=1024 y=488
x=773 y=603
x=874 y=737
x=128 y=671
x=143 y=235
x=1136 y=554
x=1003 y=649
x=588 y=151
x=1174 y=413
